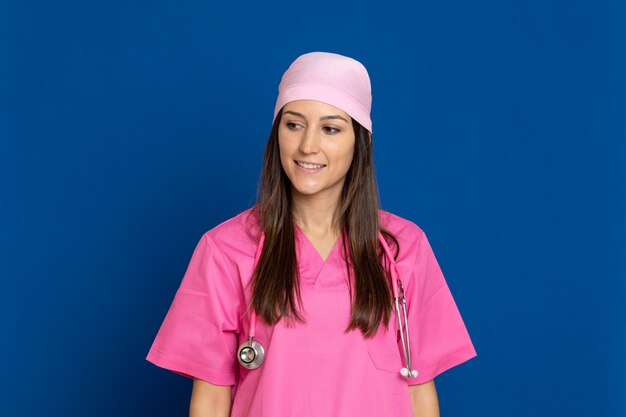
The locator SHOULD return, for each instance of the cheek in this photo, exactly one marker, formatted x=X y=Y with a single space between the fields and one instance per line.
x=286 y=151
x=283 y=146
x=346 y=156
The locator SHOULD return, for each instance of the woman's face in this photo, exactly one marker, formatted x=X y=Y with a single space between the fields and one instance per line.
x=316 y=133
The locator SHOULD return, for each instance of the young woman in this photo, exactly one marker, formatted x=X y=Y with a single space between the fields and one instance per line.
x=315 y=301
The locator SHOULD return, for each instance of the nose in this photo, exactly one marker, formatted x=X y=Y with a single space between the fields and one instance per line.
x=309 y=142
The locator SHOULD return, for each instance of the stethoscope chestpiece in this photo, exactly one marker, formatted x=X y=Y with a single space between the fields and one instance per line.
x=250 y=354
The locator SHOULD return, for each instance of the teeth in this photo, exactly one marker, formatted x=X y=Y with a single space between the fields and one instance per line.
x=302 y=164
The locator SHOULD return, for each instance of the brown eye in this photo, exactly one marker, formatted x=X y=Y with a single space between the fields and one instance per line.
x=332 y=131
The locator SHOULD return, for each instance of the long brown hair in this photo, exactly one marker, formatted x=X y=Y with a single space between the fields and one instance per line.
x=275 y=281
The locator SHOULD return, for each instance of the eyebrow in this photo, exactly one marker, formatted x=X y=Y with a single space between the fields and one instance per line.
x=336 y=116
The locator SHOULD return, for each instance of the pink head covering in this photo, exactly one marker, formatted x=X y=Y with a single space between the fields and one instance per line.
x=334 y=79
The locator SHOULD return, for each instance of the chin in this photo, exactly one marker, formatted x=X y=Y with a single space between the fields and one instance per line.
x=306 y=191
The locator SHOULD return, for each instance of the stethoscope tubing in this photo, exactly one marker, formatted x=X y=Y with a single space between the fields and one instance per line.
x=254 y=353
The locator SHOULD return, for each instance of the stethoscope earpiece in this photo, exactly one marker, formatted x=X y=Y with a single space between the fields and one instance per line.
x=251 y=354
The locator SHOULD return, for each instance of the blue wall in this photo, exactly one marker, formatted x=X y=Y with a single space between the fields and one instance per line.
x=127 y=129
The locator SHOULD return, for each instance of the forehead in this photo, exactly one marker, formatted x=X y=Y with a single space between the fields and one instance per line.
x=314 y=108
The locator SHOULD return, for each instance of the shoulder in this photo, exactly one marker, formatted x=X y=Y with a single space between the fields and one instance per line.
x=409 y=235
x=237 y=233
x=402 y=228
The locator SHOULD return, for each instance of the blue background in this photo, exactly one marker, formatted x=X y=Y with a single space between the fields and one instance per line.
x=128 y=129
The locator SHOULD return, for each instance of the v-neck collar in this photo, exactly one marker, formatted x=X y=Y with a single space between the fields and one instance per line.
x=308 y=242
x=315 y=272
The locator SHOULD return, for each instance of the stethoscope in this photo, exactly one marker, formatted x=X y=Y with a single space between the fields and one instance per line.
x=251 y=352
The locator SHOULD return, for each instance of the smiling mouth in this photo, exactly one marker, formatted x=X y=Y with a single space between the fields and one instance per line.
x=309 y=166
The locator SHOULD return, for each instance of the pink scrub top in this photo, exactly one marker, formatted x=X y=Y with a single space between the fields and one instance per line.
x=311 y=369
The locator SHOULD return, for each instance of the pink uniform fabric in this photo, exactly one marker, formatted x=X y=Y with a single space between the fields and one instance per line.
x=334 y=79
x=313 y=369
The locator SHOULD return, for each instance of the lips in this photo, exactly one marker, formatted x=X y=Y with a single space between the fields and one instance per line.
x=309 y=165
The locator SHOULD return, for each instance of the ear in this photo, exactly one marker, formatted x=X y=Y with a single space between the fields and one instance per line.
x=369 y=134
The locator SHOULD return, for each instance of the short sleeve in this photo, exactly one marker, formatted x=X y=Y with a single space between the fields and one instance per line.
x=438 y=336
x=197 y=338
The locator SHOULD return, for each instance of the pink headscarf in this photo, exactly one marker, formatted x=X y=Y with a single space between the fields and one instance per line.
x=334 y=79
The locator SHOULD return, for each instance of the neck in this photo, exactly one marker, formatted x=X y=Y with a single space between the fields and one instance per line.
x=315 y=214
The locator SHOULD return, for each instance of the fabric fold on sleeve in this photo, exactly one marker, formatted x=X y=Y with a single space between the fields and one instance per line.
x=198 y=336
x=438 y=336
